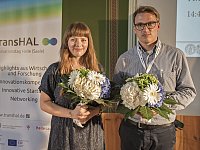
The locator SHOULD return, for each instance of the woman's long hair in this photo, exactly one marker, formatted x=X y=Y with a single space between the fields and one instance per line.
x=88 y=60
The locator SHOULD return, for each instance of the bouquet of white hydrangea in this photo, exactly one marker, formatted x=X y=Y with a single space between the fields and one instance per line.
x=84 y=87
x=143 y=94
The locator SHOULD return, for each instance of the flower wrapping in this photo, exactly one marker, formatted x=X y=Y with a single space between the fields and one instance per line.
x=86 y=87
x=143 y=94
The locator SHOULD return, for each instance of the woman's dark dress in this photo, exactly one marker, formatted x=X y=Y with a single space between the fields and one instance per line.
x=64 y=134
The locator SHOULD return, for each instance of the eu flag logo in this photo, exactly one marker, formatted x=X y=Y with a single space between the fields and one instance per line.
x=12 y=142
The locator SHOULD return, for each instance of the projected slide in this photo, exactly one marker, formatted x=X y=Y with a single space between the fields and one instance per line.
x=188 y=27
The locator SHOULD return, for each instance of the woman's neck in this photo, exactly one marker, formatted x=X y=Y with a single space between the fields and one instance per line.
x=75 y=63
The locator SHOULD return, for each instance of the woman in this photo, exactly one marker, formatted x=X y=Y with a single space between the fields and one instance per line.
x=77 y=51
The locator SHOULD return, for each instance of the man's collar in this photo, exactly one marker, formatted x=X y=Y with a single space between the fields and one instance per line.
x=151 y=51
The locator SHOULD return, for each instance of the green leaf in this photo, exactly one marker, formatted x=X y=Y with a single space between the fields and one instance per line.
x=126 y=111
x=122 y=109
x=83 y=72
x=69 y=91
x=133 y=112
x=146 y=112
x=102 y=102
x=62 y=85
x=128 y=114
x=170 y=101
x=166 y=109
x=161 y=112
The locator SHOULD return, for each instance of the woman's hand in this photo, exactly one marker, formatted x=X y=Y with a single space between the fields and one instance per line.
x=93 y=111
x=80 y=112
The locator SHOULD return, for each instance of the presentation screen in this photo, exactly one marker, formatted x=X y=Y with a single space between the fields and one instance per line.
x=188 y=27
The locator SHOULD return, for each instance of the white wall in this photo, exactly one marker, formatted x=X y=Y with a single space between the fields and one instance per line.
x=167 y=9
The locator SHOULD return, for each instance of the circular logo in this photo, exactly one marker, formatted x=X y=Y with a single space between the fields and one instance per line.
x=52 y=41
x=198 y=49
x=45 y=41
x=190 y=49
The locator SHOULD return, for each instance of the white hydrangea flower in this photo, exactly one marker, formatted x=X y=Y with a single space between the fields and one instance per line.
x=91 y=90
x=73 y=76
x=77 y=86
x=96 y=77
x=132 y=96
x=87 y=88
x=152 y=94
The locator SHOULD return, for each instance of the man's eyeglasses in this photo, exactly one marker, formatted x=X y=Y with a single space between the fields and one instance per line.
x=149 y=25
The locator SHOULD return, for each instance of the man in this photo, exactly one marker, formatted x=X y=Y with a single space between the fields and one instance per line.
x=169 y=64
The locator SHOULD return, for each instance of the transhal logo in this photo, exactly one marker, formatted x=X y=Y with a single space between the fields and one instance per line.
x=52 y=41
x=22 y=41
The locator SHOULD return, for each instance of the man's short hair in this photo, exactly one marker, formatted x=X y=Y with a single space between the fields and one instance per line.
x=146 y=9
